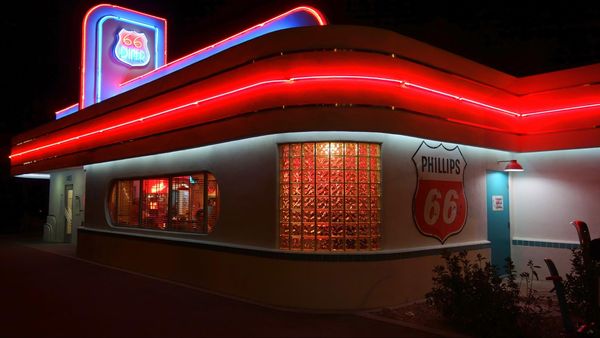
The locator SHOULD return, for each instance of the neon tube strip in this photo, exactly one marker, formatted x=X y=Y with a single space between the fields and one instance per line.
x=245 y=35
x=89 y=44
x=283 y=21
x=560 y=109
x=98 y=83
x=67 y=111
x=402 y=83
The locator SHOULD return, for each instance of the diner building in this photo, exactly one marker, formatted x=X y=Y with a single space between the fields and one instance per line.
x=305 y=165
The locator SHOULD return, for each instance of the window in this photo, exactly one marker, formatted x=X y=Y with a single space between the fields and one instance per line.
x=330 y=196
x=185 y=203
x=125 y=202
x=194 y=202
x=154 y=203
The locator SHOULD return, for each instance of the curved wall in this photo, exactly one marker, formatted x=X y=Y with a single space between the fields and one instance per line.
x=246 y=171
x=348 y=67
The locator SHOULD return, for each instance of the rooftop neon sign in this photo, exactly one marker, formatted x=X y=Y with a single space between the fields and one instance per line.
x=100 y=79
x=101 y=69
x=132 y=48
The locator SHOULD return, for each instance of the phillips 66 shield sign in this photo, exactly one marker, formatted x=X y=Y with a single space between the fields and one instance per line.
x=439 y=204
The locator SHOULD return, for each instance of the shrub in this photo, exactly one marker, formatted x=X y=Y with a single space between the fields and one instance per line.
x=474 y=298
x=580 y=288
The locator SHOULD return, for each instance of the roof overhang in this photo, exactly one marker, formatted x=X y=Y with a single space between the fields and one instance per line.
x=325 y=78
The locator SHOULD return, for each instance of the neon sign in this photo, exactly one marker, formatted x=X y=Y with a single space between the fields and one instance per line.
x=102 y=77
x=132 y=48
x=101 y=69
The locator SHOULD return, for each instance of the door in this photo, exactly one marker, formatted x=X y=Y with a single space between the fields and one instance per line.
x=68 y=212
x=498 y=221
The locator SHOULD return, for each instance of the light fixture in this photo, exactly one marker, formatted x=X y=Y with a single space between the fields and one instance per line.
x=512 y=165
x=35 y=176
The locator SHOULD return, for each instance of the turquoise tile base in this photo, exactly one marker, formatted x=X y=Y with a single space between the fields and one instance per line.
x=544 y=244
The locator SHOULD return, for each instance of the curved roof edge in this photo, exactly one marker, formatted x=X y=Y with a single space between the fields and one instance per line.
x=459 y=91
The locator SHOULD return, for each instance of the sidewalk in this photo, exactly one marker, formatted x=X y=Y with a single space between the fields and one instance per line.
x=46 y=292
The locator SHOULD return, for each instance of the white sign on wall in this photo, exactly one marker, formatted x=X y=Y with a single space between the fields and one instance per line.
x=497 y=203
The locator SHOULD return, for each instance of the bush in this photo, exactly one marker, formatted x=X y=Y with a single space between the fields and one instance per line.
x=474 y=298
x=580 y=288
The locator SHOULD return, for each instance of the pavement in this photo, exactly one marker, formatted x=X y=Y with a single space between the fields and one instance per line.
x=45 y=291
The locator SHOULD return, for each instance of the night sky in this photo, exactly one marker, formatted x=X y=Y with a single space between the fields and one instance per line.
x=42 y=48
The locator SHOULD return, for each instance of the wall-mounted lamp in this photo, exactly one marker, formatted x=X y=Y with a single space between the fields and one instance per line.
x=512 y=165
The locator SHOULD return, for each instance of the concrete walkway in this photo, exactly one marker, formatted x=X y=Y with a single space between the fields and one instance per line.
x=46 y=293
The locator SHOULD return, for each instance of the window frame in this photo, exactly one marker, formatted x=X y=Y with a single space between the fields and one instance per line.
x=169 y=177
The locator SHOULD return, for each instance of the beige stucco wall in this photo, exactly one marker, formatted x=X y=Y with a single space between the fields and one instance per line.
x=276 y=280
x=556 y=188
x=246 y=172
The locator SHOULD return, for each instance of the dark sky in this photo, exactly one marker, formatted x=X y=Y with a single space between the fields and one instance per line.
x=42 y=40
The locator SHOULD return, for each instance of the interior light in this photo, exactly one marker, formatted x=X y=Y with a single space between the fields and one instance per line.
x=512 y=165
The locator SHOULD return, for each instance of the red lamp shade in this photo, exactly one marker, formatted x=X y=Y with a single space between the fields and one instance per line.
x=513 y=165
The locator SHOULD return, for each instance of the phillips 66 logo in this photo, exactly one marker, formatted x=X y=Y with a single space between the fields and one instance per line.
x=439 y=204
x=132 y=48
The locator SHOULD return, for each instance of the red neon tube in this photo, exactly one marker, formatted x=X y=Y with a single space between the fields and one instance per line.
x=400 y=83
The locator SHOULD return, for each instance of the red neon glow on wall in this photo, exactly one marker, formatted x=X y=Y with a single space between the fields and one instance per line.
x=341 y=79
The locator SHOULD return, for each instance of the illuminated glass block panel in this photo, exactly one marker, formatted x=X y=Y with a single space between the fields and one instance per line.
x=336 y=162
x=329 y=196
x=285 y=164
x=323 y=176
x=284 y=176
x=308 y=150
x=296 y=149
x=336 y=148
x=336 y=176
x=322 y=162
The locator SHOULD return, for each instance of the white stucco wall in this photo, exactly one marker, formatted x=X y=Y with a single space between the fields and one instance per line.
x=555 y=188
x=246 y=172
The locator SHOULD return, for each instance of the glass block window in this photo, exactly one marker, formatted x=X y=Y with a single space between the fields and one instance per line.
x=329 y=196
x=186 y=203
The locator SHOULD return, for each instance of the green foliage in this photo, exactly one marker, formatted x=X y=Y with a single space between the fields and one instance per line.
x=531 y=308
x=581 y=288
x=530 y=300
x=473 y=297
